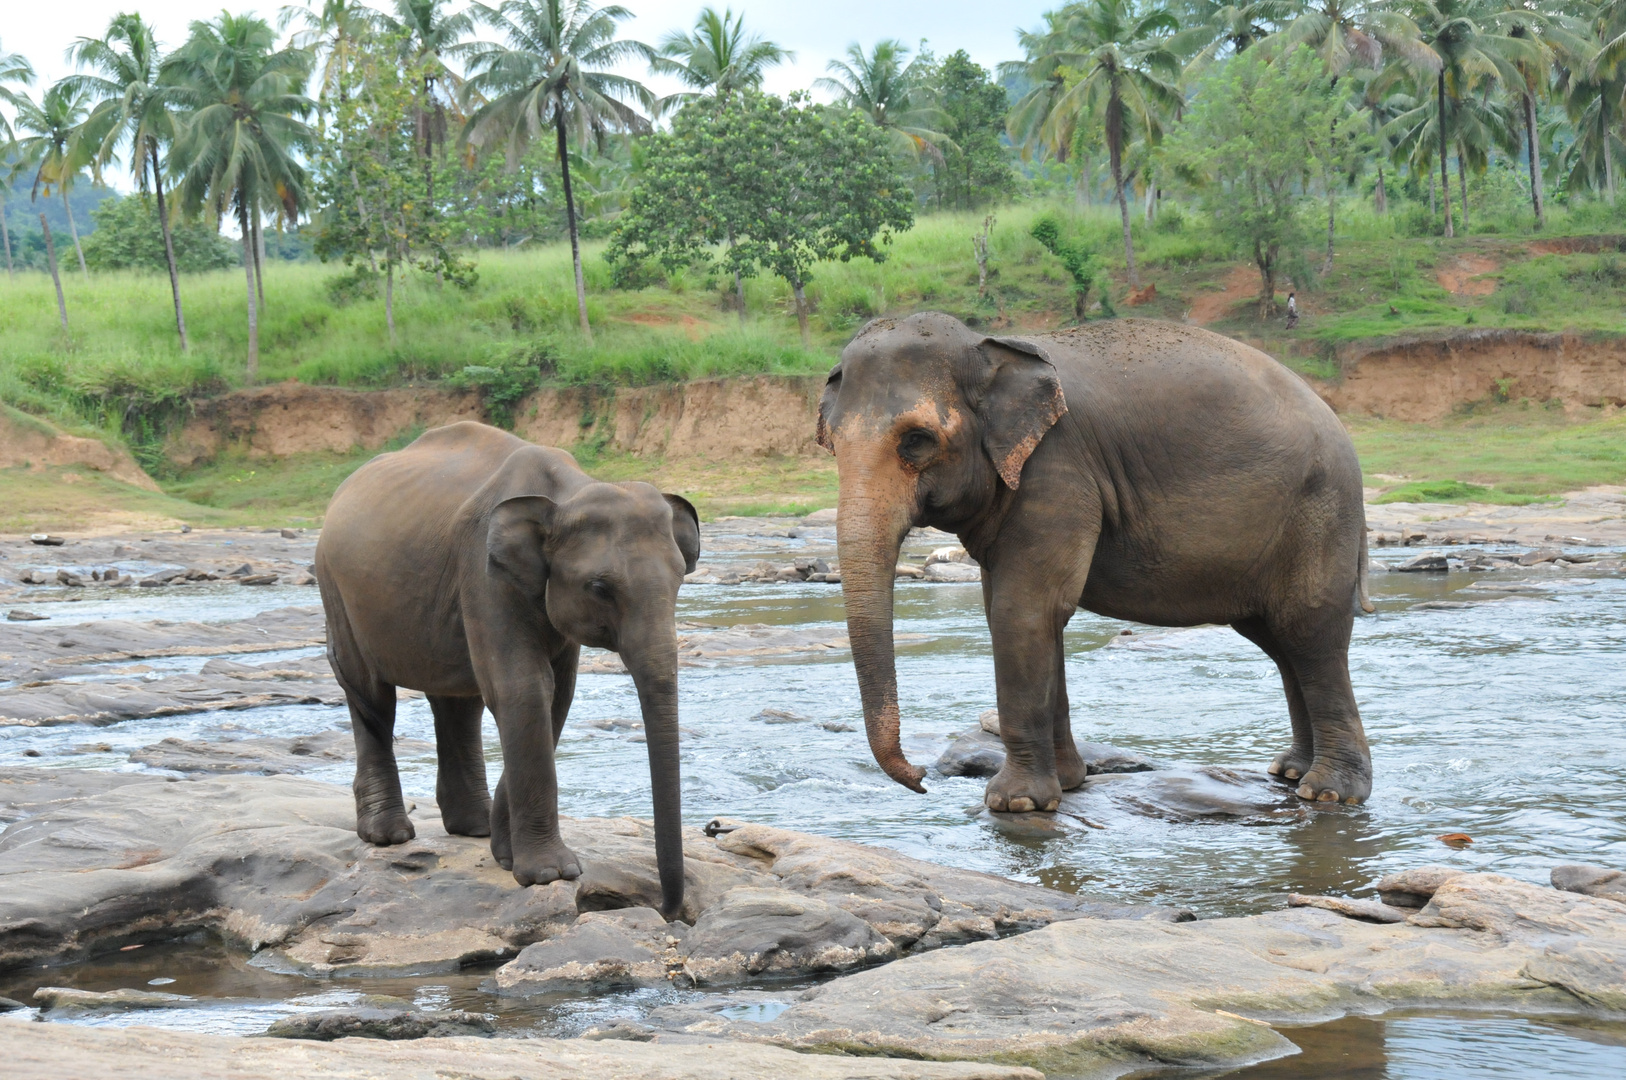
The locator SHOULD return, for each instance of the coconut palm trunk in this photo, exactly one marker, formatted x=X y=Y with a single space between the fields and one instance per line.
x=1462 y=181
x=74 y=232
x=1445 y=159
x=169 y=247
x=1535 y=158
x=5 y=234
x=259 y=253
x=1115 y=146
x=56 y=278
x=570 y=217
x=1381 y=197
x=248 y=273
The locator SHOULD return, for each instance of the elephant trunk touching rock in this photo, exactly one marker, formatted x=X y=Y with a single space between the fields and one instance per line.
x=1140 y=470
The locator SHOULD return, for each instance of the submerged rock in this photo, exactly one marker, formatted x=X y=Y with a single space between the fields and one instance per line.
x=1598 y=881
x=980 y=752
x=62 y=997
x=603 y=949
x=377 y=1023
x=768 y=932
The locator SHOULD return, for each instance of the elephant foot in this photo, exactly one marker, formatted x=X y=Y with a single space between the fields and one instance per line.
x=1013 y=792
x=470 y=818
x=1070 y=767
x=544 y=863
x=1329 y=781
x=386 y=827
x=1291 y=764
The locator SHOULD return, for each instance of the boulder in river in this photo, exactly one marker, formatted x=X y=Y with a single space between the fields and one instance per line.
x=981 y=752
x=94 y=861
x=371 y=1022
x=63 y=997
x=1099 y=998
x=1428 y=562
x=1598 y=881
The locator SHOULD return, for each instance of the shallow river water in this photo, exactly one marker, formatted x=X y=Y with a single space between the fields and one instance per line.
x=1494 y=704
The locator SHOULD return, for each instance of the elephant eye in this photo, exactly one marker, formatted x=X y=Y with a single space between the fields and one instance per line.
x=917 y=444
x=600 y=589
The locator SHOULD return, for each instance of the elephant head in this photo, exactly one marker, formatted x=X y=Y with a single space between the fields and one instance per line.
x=606 y=564
x=928 y=420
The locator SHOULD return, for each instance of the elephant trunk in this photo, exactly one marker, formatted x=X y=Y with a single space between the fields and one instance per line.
x=653 y=665
x=870 y=529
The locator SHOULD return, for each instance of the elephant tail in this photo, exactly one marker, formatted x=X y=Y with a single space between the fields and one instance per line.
x=1361 y=598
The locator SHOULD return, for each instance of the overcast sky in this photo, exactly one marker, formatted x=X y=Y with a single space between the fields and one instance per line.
x=41 y=29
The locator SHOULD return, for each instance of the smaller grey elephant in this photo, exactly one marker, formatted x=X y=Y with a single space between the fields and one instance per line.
x=473 y=566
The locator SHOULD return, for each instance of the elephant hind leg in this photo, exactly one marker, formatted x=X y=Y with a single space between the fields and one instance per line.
x=1317 y=651
x=381 y=816
x=1295 y=761
x=460 y=781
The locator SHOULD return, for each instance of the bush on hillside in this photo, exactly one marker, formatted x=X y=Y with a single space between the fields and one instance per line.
x=128 y=237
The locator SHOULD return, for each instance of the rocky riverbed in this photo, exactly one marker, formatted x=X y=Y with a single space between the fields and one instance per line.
x=177 y=850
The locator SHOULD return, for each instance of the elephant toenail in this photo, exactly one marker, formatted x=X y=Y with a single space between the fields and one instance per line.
x=1021 y=804
x=1292 y=774
x=1274 y=769
x=1352 y=801
x=1305 y=791
x=1051 y=805
x=1327 y=796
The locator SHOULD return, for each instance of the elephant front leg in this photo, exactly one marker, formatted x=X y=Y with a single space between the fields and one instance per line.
x=525 y=820
x=381 y=816
x=1027 y=650
x=460 y=781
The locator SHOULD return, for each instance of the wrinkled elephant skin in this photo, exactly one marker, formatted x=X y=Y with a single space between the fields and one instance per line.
x=473 y=566
x=1141 y=470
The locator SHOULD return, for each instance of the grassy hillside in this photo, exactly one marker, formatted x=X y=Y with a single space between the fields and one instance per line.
x=119 y=370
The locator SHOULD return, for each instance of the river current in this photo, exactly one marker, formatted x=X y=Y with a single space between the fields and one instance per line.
x=1495 y=705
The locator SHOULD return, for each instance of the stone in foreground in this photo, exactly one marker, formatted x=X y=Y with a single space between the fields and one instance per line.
x=1093 y=998
x=54 y=1051
x=376 y=1023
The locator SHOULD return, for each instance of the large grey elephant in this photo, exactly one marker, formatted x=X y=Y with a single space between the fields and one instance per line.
x=473 y=566
x=1140 y=470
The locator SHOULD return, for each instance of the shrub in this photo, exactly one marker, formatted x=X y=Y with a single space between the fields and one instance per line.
x=128 y=237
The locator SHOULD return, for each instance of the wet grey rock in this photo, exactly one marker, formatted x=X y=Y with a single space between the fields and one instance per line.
x=258 y=579
x=93 y=861
x=10 y=1005
x=289 y=534
x=375 y=1023
x=754 y=932
x=1188 y=795
x=980 y=752
x=1099 y=998
x=1540 y=555
x=974 y=753
x=51 y=998
x=602 y=950
x=46 y=540
x=953 y=572
x=19 y=615
x=67 y=577
x=835 y=725
x=779 y=716
x=1598 y=881
x=1429 y=561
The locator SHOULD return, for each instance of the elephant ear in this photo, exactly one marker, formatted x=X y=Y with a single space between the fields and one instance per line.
x=832 y=387
x=1020 y=402
x=685 y=530
x=514 y=538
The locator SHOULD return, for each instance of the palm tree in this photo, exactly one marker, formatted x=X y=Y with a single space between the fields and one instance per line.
x=429 y=35
x=717 y=58
x=14 y=68
x=236 y=149
x=132 y=108
x=551 y=72
x=1472 y=45
x=58 y=149
x=882 y=86
x=1352 y=33
x=332 y=31
x=1106 y=62
x=1216 y=28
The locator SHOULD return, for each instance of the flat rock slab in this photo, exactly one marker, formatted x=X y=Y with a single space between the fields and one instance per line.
x=54 y=1051
x=378 y=1023
x=1096 y=998
x=265 y=757
x=1598 y=881
x=272 y=865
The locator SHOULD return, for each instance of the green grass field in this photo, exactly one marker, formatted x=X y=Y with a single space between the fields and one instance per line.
x=118 y=372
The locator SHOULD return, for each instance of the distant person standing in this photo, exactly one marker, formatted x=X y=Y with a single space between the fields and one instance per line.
x=1292 y=311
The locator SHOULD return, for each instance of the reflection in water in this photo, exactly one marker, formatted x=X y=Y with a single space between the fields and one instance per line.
x=1443 y=1048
